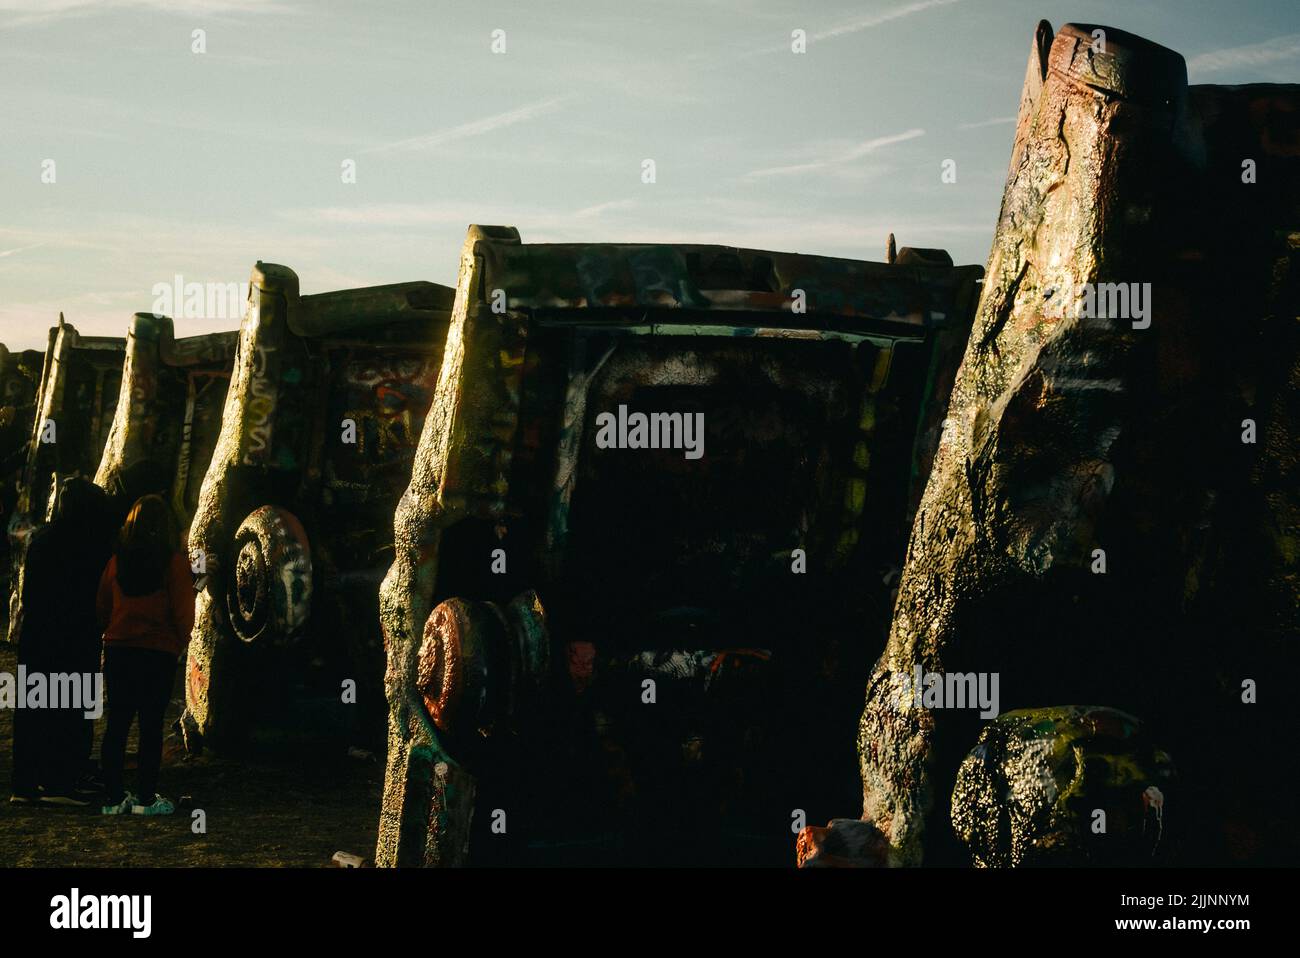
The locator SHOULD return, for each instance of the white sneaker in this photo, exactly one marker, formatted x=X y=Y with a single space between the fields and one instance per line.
x=121 y=808
x=160 y=806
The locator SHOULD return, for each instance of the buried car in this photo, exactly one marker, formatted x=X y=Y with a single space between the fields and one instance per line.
x=168 y=415
x=292 y=527
x=651 y=523
x=20 y=379
x=74 y=408
x=1111 y=523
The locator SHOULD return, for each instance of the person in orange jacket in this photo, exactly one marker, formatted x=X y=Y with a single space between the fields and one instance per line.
x=146 y=607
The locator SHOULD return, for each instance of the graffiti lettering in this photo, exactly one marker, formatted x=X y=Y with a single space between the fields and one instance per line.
x=261 y=405
x=387 y=372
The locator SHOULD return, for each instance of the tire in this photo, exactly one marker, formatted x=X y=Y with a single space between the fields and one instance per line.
x=269 y=578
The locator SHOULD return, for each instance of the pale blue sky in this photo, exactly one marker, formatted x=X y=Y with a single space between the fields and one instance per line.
x=173 y=162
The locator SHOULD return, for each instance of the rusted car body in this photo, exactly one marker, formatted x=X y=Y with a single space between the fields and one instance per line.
x=1087 y=426
x=607 y=650
x=168 y=413
x=292 y=528
x=20 y=379
x=75 y=404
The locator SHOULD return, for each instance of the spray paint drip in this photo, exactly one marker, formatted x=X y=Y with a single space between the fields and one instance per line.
x=1153 y=798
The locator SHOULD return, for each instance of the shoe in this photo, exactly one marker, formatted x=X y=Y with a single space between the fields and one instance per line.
x=121 y=808
x=160 y=806
x=89 y=785
x=68 y=798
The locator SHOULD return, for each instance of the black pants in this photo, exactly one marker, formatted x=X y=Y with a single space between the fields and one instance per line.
x=29 y=726
x=66 y=751
x=50 y=747
x=137 y=682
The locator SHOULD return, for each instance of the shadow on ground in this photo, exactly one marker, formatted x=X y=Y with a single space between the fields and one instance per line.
x=290 y=799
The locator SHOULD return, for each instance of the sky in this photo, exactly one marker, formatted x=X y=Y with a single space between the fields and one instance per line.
x=170 y=161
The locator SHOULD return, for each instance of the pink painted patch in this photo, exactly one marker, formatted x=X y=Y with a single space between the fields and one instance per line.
x=582 y=663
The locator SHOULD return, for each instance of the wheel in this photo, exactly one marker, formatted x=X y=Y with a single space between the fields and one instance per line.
x=482 y=663
x=268 y=587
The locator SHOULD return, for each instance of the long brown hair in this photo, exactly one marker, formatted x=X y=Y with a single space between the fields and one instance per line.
x=145 y=546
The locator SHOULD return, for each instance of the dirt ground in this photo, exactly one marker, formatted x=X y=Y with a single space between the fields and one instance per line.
x=290 y=799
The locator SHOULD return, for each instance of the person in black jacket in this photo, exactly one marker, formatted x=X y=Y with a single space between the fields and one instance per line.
x=60 y=634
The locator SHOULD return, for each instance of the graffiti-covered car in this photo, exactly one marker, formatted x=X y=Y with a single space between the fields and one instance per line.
x=75 y=403
x=292 y=530
x=20 y=379
x=1107 y=510
x=648 y=544
x=168 y=413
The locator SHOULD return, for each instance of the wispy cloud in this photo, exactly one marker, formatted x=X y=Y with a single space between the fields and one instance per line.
x=422 y=216
x=1249 y=55
x=103 y=117
x=587 y=212
x=858 y=24
x=20 y=249
x=839 y=159
x=487 y=124
x=385 y=215
x=17 y=13
x=876 y=19
x=993 y=121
